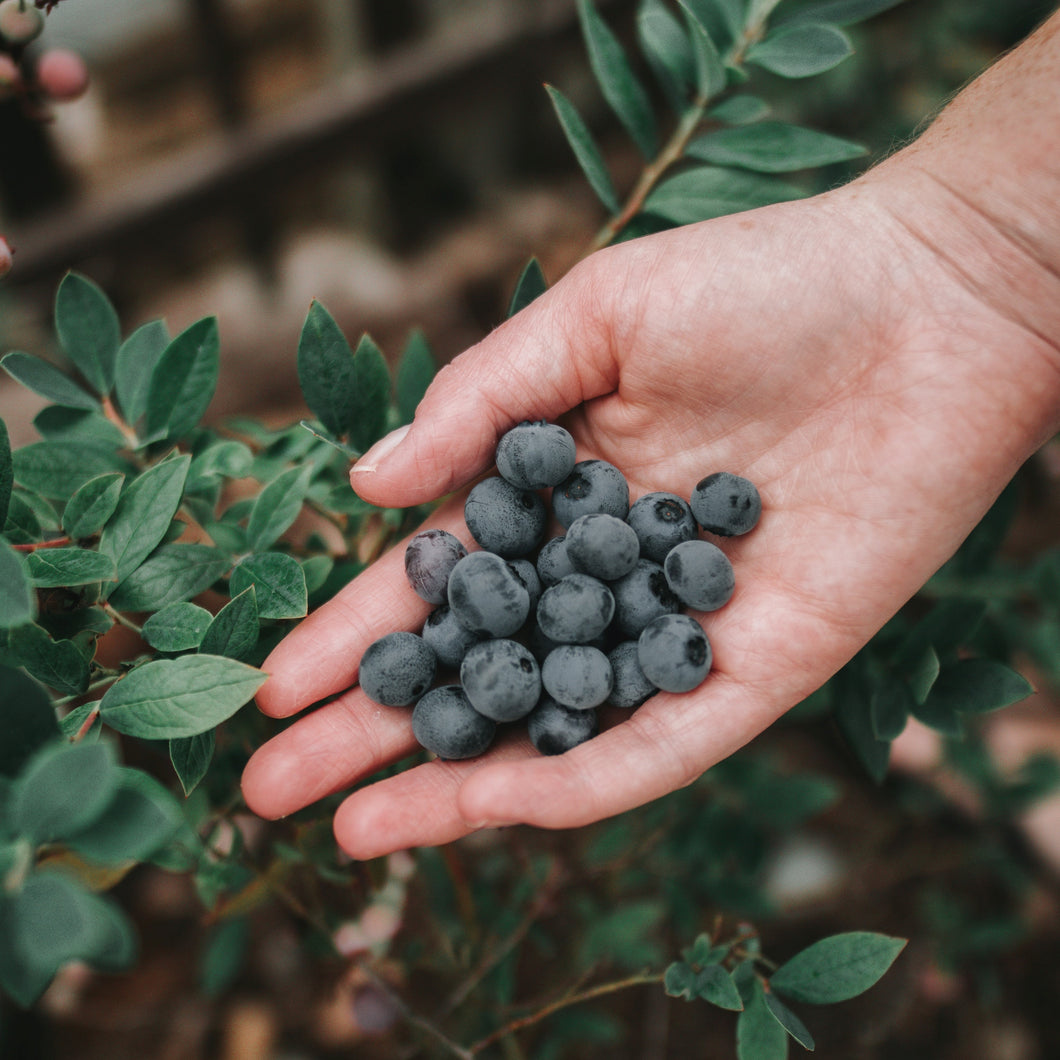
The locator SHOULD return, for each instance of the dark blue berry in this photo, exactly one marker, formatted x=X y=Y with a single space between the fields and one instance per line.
x=501 y=679
x=726 y=504
x=429 y=559
x=577 y=676
x=593 y=486
x=487 y=596
x=533 y=456
x=700 y=574
x=674 y=653
x=602 y=545
x=445 y=723
x=554 y=728
x=641 y=597
x=553 y=563
x=449 y=639
x=660 y=521
x=631 y=687
x=397 y=669
x=505 y=520
x=575 y=610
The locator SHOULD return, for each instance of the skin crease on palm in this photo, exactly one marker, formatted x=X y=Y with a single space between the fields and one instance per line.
x=877 y=360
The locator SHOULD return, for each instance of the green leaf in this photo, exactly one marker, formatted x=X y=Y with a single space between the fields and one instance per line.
x=74 y=722
x=801 y=51
x=679 y=980
x=234 y=630
x=853 y=714
x=183 y=381
x=626 y=936
x=530 y=285
x=623 y=92
x=714 y=984
x=29 y=720
x=222 y=459
x=278 y=581
x=706 y=192
x=18 y=601
x=170 y=698
x=758 y=1034
x=322 y=433
x=88 y=329
x=170 y=574
x=277 y=507
x=7 y=473
x=191 y=757
x=179 y=626
x=92 y=505
x=371 y=394
x=666 y=46
x=772 y=147
x=837 y=968
x=415 y=371
x=723 y=19
x=143 y=515
x=57 y=920
x=225 y=953
x=43 y=378
x=921 y=674
x=326 y=371
x=59 y=469
x=140 y=819
x=59 y=664
x=740 y=110
x=64 y=788
x=789 y=1021
x=978 y=686
x=23 y=983
x=585 y=150
x=839 y=12
x=710 y=70
x=890 y=707
x=58 y=424
x=22 y=526
x=137 y=357
x=60 y=567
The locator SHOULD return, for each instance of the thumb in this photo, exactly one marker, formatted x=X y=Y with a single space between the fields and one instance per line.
x=547 y=359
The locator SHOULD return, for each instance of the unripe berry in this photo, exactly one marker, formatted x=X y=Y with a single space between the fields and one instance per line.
x=20 y=21
x=6 y=257
x=62 y=75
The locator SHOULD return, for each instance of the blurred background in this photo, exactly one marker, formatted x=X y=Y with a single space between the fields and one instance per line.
x=397 y=159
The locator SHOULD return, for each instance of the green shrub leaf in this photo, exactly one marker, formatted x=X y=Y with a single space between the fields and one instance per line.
x=59 y=664
x=58 y=469
x=143 y=515
x=222 y=459
x=758 y=1034
x=57 y=567
x=415 y=371
x=977 y=686
x=623 y=92
x=137 y=357
x=235 y=628
x=191 y=757
x=801 y=50
x=666 y=46
x=278 y=581
x=585 y=150
x=740 y=110
x=838 y=12
x=92 y=505
x=63 y=789
x=679 y=980
x=43 y=378
x=18 y=601
x=714 y=984
x=530 y=285
x=169 y=698
x=789 y=1021
x=88 y=329
x=772 y=147
x=183 y=381
x=7 y=473
x=371 y=379
x=710 y=70
x=326 y=371
x=179 y=626
x=277 y=507
x=171 y=573
x=890 y=707
x=707 y=191
x=837 y=968
x=29 y=720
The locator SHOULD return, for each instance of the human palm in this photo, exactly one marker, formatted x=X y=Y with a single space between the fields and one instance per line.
x=815 y=348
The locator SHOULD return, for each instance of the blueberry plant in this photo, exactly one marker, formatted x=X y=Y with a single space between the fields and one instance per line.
x=150 y=560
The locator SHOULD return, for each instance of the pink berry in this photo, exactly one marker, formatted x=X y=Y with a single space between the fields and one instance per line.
x=20 y=21
x=6 y=257
x=62 y=75
x=10 y=75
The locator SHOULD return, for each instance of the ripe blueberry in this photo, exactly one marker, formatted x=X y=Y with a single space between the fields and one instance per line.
x=575 y=610
x=593 y=486
x=501 y=679
x=674 y=653
x=577 y=676
x=487 y=596
x=429 y=560
x=554 y=728
x=397 y=669
x=726 y=504
x=504 y=519
x=533 y=456
x=660 y=521
x=602 y=545
x=700 y=574
x=445 y=723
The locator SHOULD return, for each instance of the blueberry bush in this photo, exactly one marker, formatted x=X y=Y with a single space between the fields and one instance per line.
x=150 y=560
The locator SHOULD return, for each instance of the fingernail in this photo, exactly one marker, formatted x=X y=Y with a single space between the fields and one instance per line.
x=477 y=826
x=380 y=451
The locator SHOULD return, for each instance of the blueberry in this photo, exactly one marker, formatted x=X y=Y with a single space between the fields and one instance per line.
x=602 y=545
x=487 y=596
x=397 y=669
x=528 y=575
x=445 y=723
x=504 y=519
x=631 y=687
x=554 y=728
x=593 y=486
x=577 y=676
x=674 y=653
x=700 y=574
x=447 y=637
x=429 y=560
x=575 y=610
x=726 y=504
x=641 y=597
x=553 y=563
x=533 y=456
x=501 y=679
x=660 y=521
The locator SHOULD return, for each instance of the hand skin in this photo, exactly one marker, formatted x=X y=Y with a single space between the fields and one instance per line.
x=879 y=360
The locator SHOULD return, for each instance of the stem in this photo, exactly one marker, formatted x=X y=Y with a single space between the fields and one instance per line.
x=562 y=1003
x=87 y=724
x=57 y=542
x=115 y=417
x=122 y=620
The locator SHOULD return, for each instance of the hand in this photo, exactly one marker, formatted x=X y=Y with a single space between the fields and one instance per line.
x=820 y=349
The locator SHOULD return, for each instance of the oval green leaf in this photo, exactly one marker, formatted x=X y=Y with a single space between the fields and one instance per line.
x=171 y=573
x=137 y=357
x=60 y=567
x=773 y=147
x=837 y=968
x=18 y=600
x=43 y=378
x=801 y=50
x=29 y=720
x=585 y=150
x=179 y=626
x=278 y=581
x=183 y=381
x=88 y=329
x=277 y=507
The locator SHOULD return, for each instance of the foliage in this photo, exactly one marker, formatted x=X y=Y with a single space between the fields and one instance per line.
x=206 y=543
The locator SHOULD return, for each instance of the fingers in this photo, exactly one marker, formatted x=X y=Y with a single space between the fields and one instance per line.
x=320 y=657
x=546 y=360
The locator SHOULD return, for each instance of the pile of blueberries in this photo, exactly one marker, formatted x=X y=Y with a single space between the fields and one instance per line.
x=545 y=631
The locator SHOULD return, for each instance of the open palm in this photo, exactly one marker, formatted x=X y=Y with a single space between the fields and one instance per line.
x=820 y=349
